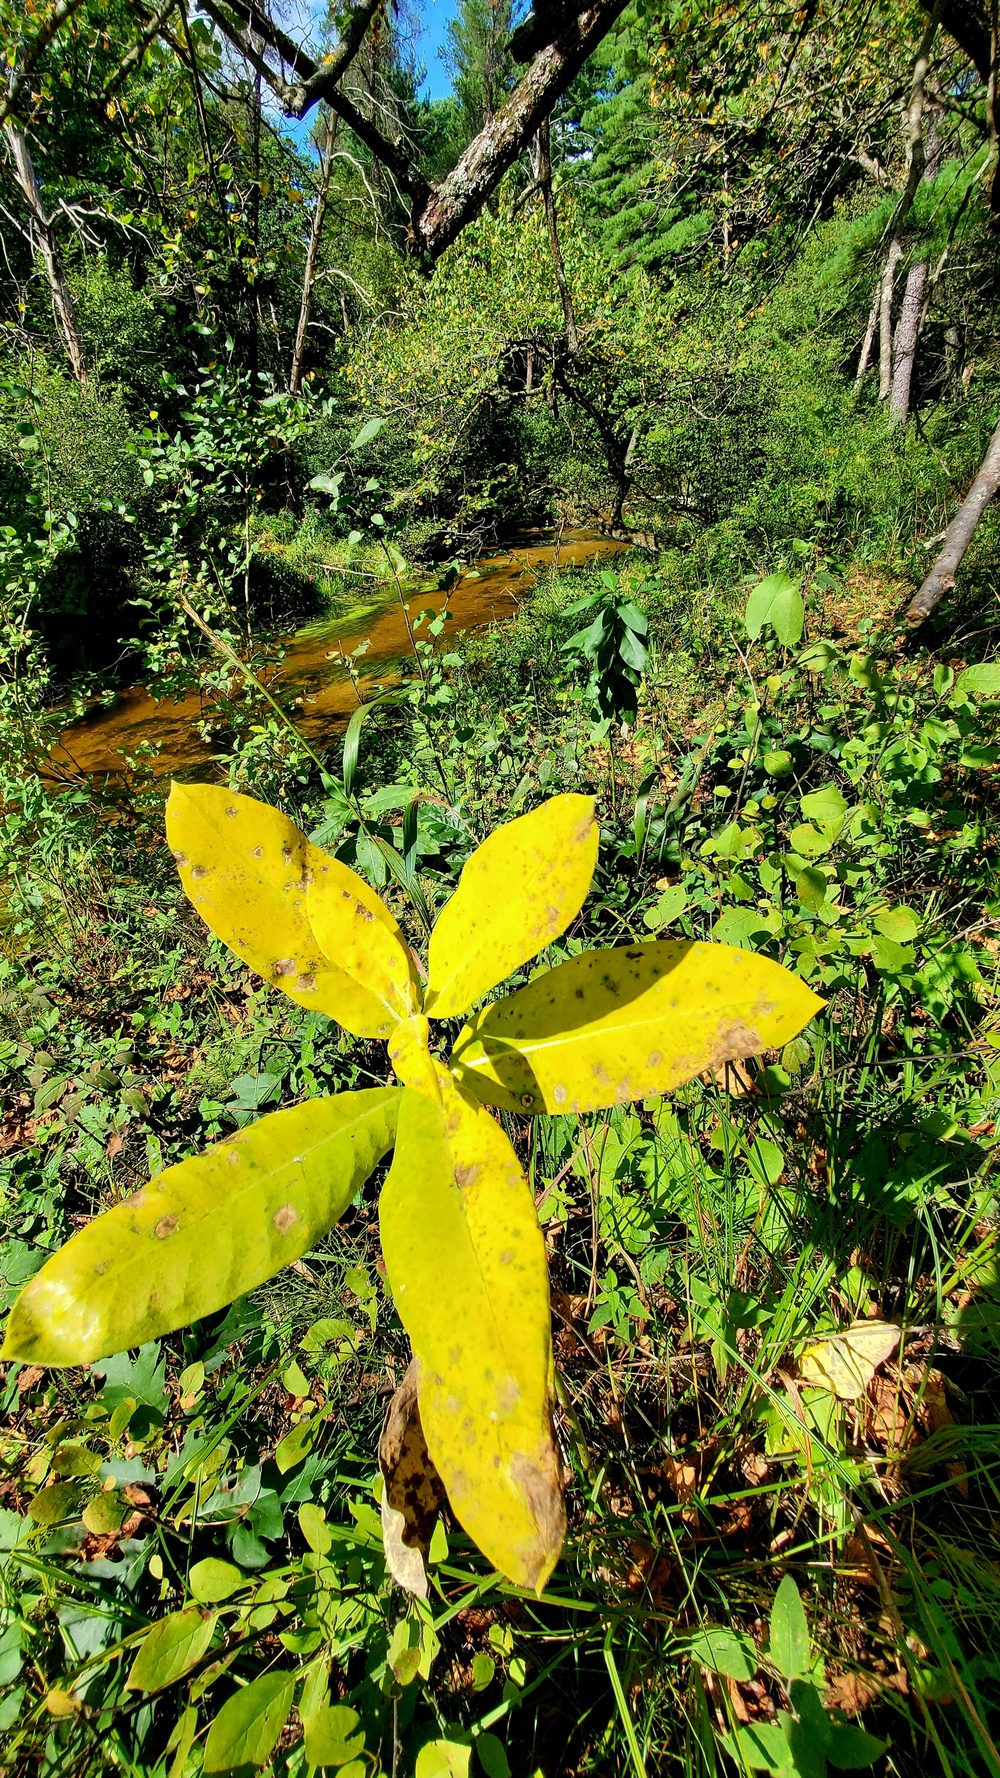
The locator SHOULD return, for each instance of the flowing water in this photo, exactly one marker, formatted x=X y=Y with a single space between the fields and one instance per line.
x=97 y=744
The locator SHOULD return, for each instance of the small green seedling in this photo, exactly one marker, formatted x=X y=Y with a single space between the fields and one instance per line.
x=807 y=1738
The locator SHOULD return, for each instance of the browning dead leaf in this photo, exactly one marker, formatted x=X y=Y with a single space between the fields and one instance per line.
x=846 y=1362
x=413 y=1493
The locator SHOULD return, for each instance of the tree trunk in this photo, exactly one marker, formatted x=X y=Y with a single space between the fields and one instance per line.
x=312 y=255
x=904 y=346
x=543 y=175
x=893 y=258
x=44 y=236
x=894 y=386
x=958 y=536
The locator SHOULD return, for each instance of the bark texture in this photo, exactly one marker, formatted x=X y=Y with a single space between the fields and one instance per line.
x=969 y=24
x=904 y=345
x=958 y=536
x=477 y=173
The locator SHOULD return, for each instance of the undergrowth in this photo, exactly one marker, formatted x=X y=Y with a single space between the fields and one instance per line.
x=832 y=803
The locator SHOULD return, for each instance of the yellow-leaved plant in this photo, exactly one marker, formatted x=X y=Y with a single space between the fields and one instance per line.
x=463 y=1251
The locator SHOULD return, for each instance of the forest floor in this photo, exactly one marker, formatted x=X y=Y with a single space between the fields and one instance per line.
x=776 y=1295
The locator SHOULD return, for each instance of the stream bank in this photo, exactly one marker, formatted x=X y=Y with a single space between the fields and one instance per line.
x=99 y=743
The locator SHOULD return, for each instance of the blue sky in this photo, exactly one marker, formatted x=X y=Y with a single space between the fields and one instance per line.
x=427 y=23
x=434 y=19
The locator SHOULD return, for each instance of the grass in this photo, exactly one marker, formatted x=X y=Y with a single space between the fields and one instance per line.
x=698 y=1249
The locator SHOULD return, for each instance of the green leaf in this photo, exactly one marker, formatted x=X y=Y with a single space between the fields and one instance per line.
x=813 y=1722
x=105 y=1513
x=610 y=1026
x=789 y=1647
x=182 y=1740
x=778 y=763
x=982 y=681
x=776 y=601
x=492 y=1756
x=331 y=1735
x=850 y=1749
x=761 y=1745
x=59 y=1500
x=297 y=1444
x=203 y=1232
x=299 y=918
x=811 y=841
x=314 y=1528
x=670 y=906
x=369 y=430
x=724 y=1651
x=889 y=956
x=443 y=1759
x=899 y=924
x=737 y=926
x=212 y=1580
x=827 y=806
x=246 y=1730
x=805 y=1754
x=173 y=1646
x=466 y=1263
x=403 y=1653
x=483 y=1671
x=10 y=1654
x=518 y=891
x=811 y=887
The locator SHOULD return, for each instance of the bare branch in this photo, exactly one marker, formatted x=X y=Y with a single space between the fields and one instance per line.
x=958 y=536
x=392 y=155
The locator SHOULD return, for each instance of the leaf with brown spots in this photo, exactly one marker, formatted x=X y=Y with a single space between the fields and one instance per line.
x=518 y=891
x=610 y=1026
x=413 y=1491
x=466 y=1262
x=203 y=1232
x=301 y=919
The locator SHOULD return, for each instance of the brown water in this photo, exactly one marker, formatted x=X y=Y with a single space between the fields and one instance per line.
x=311 y=669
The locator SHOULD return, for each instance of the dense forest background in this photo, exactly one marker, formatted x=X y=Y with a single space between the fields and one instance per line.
x=286 y=344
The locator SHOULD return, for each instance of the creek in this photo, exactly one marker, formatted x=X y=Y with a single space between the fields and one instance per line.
x=311 y=668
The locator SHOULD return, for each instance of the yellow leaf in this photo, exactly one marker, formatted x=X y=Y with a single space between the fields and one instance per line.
x=411 y=1057
x=518 y=891
x=301 y=919
x=202 y=1232
x=609 y=1026
x=359 y=935
x=466 y=1262
x=846 y=1363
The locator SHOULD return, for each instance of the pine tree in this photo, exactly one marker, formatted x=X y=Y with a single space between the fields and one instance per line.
x=482 y=69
